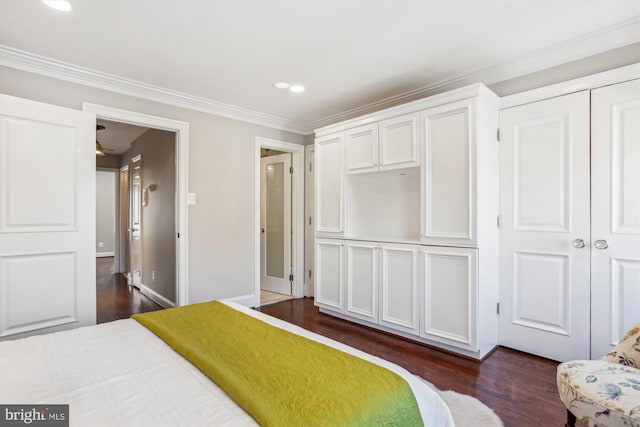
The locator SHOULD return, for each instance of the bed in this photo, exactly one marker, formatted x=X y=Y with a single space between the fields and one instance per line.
x=122 y=374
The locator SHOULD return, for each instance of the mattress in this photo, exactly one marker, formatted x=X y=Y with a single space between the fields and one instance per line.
x=121 y=374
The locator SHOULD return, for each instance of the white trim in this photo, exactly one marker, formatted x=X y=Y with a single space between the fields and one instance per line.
x=156 y=297
x=246 y=300
x=182 y=176
x=297 y=215
x=38 y=64
x=105 y=254
x=309 y=197
x=617 y=75
x=620 y=34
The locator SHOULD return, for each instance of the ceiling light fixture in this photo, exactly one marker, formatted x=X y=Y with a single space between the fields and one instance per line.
x=62 y=5
x=99 y=151
x=282 y=85
x=296 y=88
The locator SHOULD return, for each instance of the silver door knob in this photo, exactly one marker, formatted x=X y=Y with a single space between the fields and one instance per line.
x=601 y=244
x=578 y=243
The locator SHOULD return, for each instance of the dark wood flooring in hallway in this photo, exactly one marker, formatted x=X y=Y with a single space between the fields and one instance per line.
x=114 y=298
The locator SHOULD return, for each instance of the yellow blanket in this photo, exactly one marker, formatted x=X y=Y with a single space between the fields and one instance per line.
x=280 y=378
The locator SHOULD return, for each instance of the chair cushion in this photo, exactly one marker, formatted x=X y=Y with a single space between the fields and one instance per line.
x=627 y=352
x=600 y=393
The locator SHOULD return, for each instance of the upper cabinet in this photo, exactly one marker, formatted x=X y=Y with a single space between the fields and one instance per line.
x=389 y=144
x=449 y=172
x=399 y=145
x=330 y=184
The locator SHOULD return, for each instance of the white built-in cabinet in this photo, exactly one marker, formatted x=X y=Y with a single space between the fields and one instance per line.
x=406 y=235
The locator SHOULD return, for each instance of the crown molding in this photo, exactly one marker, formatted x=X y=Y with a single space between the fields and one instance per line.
x=620 y=34
x=37 y=64
x=608 y=38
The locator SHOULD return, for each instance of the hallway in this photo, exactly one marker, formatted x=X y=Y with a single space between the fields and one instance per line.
x=114 y=298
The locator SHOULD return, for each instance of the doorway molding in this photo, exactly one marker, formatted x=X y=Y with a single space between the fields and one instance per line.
x=297 y=213
x=181 y=130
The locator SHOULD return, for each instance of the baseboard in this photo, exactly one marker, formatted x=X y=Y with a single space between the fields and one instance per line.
x=162 y=301
x=246 y=300
x=105 y=254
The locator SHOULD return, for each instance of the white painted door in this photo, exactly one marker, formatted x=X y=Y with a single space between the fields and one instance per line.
x=47 y=218
x=399 y=145
x=361 y=149
x=544 y=231
x=450 y=295
x=362 y=280
x=399 y=287
x=329 y=274
x=275 y=223
x=615 y=213
x=135 y=222
x=330 y=185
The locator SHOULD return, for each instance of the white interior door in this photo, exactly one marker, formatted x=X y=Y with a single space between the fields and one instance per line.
x=275 y=223
x=136 y=196
x=615 y=220
x=544 y=232
x=47 y=218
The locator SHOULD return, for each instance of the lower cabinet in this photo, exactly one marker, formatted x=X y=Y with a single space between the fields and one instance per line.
x=450 y=295
x=427 y=293
x=330 y=274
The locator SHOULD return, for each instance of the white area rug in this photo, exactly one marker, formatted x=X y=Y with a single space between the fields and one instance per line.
x=468 y=411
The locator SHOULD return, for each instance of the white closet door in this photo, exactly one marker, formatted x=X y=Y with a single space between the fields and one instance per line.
x=329 y=274
x=399 y=287
x=47 y=218
x=615 y=222
x=330 y=184
x=544 y=234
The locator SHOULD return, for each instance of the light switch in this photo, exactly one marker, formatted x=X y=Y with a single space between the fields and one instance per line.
x=191 y=199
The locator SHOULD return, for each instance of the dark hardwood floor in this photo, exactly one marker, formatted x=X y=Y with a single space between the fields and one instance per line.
x=114 y=298
x=519 y=387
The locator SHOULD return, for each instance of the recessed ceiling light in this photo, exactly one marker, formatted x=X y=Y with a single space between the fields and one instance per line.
x=296 y=88
x=282 y=85
x=62 y=5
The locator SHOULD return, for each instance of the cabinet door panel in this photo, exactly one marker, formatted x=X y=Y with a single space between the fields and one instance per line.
x=399 y=145
x=449 y=168
x=399 y=299
x=450 y=295
x=329 y=184
x=362 y=280
x=329 y=274
x=361 y=147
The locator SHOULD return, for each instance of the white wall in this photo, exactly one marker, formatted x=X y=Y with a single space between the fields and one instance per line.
x=220 y=173
x=105 y=212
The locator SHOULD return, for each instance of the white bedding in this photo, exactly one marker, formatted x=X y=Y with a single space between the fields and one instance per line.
x=121 y=374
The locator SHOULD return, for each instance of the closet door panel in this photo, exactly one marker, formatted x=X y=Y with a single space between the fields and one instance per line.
x=399 y=299
x=399 y=144
x=615 y=220
x=362 y=280
x=544 y=230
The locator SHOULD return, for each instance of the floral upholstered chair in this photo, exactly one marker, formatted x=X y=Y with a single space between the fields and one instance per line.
x=604 y=392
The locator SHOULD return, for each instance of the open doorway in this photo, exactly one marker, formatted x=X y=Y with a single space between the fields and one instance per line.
x=279 y=218
x=141 y=240
x=276 y=268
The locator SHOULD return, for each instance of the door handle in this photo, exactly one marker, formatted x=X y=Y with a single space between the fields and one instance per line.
x=578 y=244
x=601 y=244
x=262 y=230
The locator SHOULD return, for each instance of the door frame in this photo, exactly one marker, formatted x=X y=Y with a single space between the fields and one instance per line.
x=297 y=213
x=181 y=129
x=310 y=235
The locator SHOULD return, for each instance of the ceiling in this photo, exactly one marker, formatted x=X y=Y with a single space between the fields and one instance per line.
x=117 y=137
x=352 y=56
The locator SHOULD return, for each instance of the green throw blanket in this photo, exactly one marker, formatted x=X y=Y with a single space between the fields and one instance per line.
x=280 y=378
